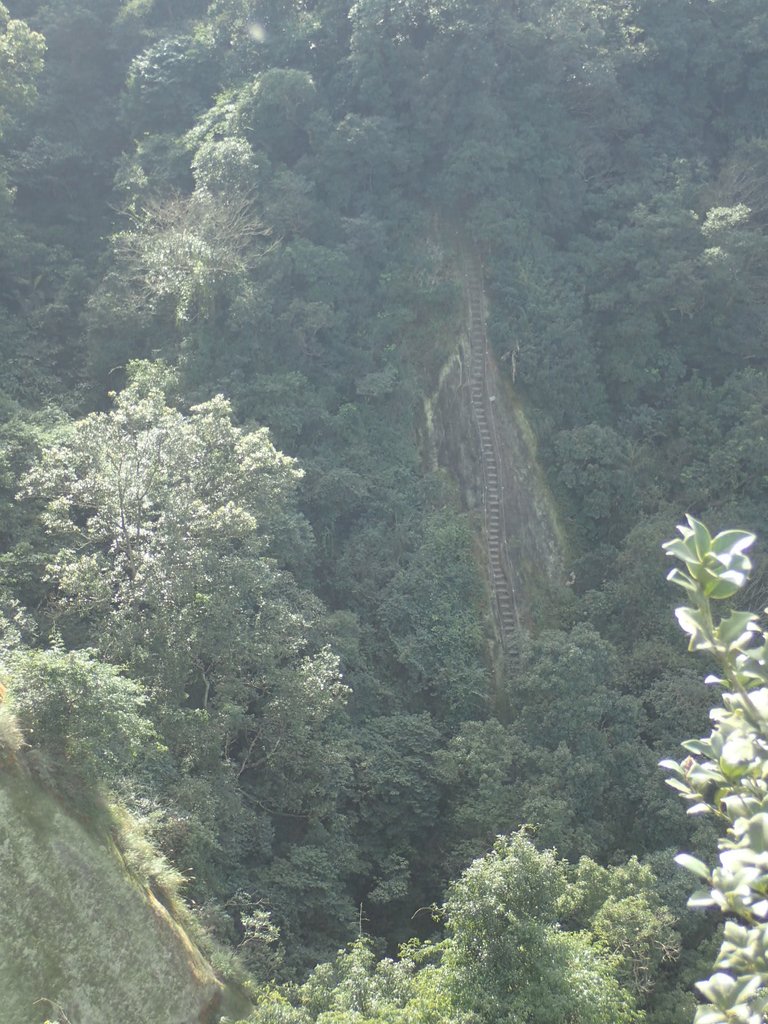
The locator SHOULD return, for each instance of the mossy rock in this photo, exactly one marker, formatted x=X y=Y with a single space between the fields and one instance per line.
x=80 y=940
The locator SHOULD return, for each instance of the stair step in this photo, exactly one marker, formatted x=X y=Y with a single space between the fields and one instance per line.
x=504 y=597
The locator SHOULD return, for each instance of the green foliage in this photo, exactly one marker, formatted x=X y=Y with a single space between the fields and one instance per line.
x=504 y=958
x=168 y=84
x=723 y=774
x=11 y=736
x=190 y=254
x=621 y=906
x=178 y=520
x=430 y=615
x=21 y=61
x=82 y=715
x=595 y=476
x=159 y=511
x=284 y=174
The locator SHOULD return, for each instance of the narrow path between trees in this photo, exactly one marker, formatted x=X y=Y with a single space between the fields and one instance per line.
x=484 y=415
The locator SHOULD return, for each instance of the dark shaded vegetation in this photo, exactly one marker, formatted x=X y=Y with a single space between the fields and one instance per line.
x=261 y=201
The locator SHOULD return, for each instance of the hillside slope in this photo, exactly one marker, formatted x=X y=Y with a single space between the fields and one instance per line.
x=79 y=937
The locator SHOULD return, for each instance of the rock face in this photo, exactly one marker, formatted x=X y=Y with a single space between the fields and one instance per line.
x=483 y=401
x=81 y=941
x=478 y=431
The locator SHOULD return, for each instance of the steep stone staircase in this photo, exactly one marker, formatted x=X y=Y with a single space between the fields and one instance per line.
x=493 y=482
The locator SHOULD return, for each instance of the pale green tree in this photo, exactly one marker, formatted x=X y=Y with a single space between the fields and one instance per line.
x=175 y=531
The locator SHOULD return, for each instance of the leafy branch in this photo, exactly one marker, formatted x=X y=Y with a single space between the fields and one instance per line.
x=726 y=773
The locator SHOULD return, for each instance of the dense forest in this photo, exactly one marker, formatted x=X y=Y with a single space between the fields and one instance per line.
x=245 y=607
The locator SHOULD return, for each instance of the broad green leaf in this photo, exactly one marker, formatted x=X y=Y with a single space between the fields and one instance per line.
x=701 y=747
x=682 y=580
x=710 y=1015
x=680 y=786
x=679 y=549
x=698 y=867
x=723 y=588
x=692 y=622
x=732 y=542
x=701 y=898
x=701 y=537
x=758 y=833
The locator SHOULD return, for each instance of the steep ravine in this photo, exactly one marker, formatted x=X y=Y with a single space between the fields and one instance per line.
x=478 y=431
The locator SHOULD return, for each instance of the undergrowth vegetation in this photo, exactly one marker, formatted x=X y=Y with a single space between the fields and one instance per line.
x=238 y=596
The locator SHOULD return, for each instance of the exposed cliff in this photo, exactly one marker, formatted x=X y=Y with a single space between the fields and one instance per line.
x=478 y=431
x=80 y=939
